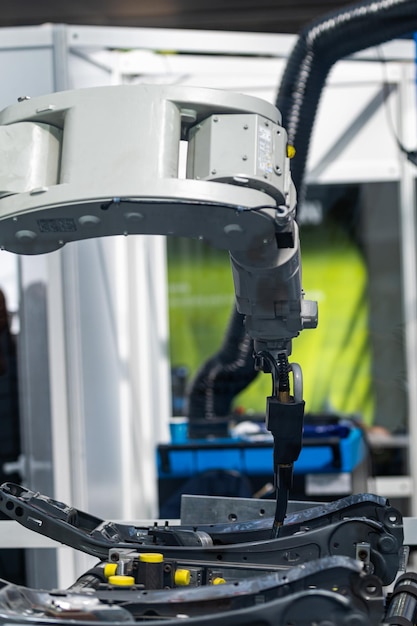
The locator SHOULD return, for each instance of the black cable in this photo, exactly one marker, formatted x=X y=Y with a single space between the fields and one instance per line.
x=411 y=155
x=319 y=46
x=283 y=372
x=273 y=370
x=105 y=206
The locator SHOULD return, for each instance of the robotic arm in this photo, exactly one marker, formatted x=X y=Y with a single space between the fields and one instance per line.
x=270 y=295
x=267 y=279
x=105 y=161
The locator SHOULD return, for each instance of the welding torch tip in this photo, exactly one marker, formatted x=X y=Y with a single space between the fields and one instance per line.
x=283 y=480
x=276 y=527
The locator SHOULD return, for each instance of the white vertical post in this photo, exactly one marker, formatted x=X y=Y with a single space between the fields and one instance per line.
x=145 y=395
x=409 y=275
x=60 y=422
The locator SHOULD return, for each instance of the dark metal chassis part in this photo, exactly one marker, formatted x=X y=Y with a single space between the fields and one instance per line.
x=301 y=595
x=334 y=529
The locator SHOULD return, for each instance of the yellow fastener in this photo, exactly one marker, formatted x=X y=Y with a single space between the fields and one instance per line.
x=290 y=151
x=182 y=577
x=110 y=569
x=151 y=557
x=121 y=581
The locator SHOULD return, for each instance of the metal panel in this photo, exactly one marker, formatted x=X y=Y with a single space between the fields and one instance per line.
x=34 y=151
x=124 y=38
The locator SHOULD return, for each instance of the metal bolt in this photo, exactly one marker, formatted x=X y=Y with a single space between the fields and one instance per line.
x=266 y=123
x=245 y=157
x=38 y=190
x=215 y=118
x=246 y=126
x=50 y=107
x=23 y=98
x=231 y=229
x=188 y=116
x=214 y=171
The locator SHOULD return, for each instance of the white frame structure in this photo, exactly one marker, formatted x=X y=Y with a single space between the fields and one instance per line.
x=108 y=375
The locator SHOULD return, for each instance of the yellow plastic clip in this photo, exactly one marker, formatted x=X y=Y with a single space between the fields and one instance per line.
x=182 y=577
x=151 y=557
x=121 y=581
x=110 y=569
x=290 y=151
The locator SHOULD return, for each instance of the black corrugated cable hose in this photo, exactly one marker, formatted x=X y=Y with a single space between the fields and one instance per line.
x=224 y=375
x=319 y=46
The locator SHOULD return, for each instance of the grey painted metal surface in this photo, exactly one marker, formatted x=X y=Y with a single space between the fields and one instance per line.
x=215 y=510
x=132 y=154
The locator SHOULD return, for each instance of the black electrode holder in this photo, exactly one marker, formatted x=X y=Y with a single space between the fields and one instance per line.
x=285 y=421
